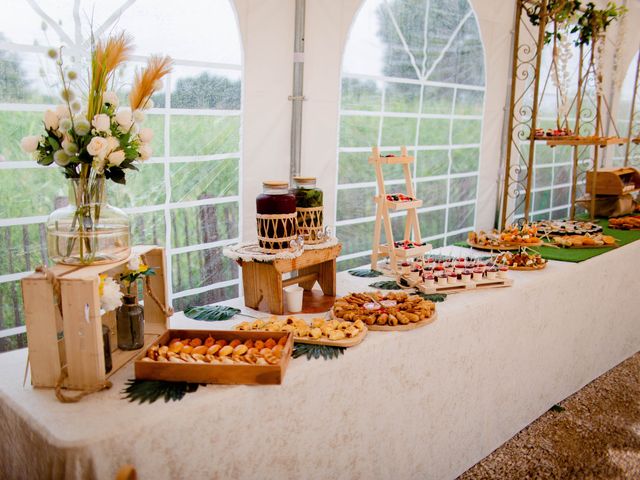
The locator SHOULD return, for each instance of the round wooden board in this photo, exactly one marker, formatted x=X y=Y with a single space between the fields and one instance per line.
x=528 y=269
x=622 y=228
x=346 y=342
x=506 y=247
x=615 y=245
x=408 y=326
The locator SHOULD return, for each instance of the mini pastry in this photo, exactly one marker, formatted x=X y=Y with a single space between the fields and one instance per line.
x=429 y=281
x=466 y=276
x=492 y=273
x=477 y=274
x=452 y=278
x=503 y=272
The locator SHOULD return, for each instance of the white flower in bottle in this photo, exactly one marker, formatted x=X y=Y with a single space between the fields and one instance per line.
x=81 y=126
x=144 y=152
x=69 y=148
x=101 y=122
x=51 y=120
x=110 y=294
x=62 y=111
x=111 y=98
x=116 y=158
x=30 y=144
x=138 y=116
x=124 y=118
x=112 y=144
x=134 y=263
x=61 y=158
x=97 y=147
x=145 y=135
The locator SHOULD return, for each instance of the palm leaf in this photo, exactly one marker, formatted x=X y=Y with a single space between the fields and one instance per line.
x=211 y=313
x=151 y=390
x=365 y=273
x=434 y=297
x=386 y=285
x=316 y=351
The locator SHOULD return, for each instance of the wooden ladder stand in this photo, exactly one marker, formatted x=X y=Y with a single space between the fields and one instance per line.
x=383 y=207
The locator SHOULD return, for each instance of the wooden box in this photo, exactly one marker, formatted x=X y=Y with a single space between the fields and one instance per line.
x=239 y=374
x=614 y=181
x=70 y=337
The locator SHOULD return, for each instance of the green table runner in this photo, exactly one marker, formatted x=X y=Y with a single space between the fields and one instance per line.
x=581 y=254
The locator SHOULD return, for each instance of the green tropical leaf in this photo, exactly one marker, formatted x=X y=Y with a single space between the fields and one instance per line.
x=316 y=351
x=211 y=313
x=386 y=285
x=434 y=297
x=365 y=273
x=557 y=408
x=151 y=390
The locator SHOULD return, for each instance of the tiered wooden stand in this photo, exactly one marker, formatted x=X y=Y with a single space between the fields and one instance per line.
x=383 y=218
x=471 y=285
x=263 y=280
x=66 y=343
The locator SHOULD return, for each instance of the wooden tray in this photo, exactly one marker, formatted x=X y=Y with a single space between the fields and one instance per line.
x=216 y=373
x=471 y=286
x=622 y=229
x=504 y=246
x=406 y=253
x=615 y=245
x=345 y=342
x=529 y=269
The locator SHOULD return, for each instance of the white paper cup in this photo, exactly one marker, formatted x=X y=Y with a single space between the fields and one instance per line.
x=293 y=296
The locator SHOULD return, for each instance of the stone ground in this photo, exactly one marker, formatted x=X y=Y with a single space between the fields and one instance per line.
x=596 y=435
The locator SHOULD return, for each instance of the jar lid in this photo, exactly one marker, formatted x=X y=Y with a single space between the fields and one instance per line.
x=305 y=179
x=275 y=184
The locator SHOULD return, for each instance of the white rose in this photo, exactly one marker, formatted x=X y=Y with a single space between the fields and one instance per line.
x=124 y=118
x=144 y=152
x=51 y=120
x=134 y=263
x=145 y=134
x=112 y=144
x=30 y=144
x=111 y=98
x=116 y=158
x=97 y=147
x=69 y=147
x=101 y=122
x=138 y=116
x=111 y=297
x=62 y=111
x=61 y=158
x=81 y=126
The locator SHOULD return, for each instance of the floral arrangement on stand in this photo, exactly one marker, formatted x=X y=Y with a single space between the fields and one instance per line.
x=93 y=138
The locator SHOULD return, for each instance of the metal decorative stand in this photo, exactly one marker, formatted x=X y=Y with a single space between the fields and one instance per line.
x=633 y=132
x=527 y=91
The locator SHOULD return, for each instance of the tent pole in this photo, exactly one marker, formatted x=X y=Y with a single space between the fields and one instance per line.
x=297 y=97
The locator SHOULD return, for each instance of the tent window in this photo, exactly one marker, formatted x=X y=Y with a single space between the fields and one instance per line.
x=413 y=74
x=186 y=197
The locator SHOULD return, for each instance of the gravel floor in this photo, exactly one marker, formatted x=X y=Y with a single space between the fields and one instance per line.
x=596 y=436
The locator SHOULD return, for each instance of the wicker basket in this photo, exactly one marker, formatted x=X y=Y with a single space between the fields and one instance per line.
x=275 y=231
x=310 y=224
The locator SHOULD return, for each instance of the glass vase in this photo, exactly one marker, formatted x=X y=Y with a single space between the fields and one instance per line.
x=130 y=324
x=88 y=230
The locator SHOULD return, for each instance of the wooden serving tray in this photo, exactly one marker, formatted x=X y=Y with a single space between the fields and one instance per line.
x=527 y=269
x=345 y=342
x=504 y=246
x=470 y=286
x=238 y=374
x=408 y=326
x=615 y=245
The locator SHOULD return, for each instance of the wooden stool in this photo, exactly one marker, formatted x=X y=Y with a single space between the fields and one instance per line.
x=264 y=279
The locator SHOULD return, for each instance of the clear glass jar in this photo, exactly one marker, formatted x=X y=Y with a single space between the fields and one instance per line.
x=276 y=199
x=130 y=323
x=88 y=230
x=309 y=208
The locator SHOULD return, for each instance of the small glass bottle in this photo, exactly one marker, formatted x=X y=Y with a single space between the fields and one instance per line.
x=130 y=324
x=106 y=343
x=309 y=207
x=276 y=199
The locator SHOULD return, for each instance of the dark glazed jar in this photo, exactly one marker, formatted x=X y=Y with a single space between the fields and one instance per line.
x=276 y=209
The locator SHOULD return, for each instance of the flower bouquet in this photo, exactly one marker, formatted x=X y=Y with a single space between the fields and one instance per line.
x=94 y=139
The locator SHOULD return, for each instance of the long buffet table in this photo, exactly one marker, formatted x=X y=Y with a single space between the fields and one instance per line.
x=426 y=403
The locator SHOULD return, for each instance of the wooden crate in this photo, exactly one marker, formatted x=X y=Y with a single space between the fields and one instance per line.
x=239 y=374
x=71 y=338
x=614 y=181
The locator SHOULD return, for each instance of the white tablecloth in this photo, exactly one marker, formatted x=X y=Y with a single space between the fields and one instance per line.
x=426 y=403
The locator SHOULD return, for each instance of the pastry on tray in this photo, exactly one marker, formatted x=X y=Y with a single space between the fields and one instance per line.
x=392 y=309
x=567 y=227
x=631 y=222
x=318 y=329
x=597 y=240
x=218 y=352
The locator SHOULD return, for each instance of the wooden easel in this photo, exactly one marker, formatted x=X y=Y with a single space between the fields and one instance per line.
x=383 y=208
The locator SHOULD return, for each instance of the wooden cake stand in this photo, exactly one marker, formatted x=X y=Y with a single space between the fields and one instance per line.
x=263 y=280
